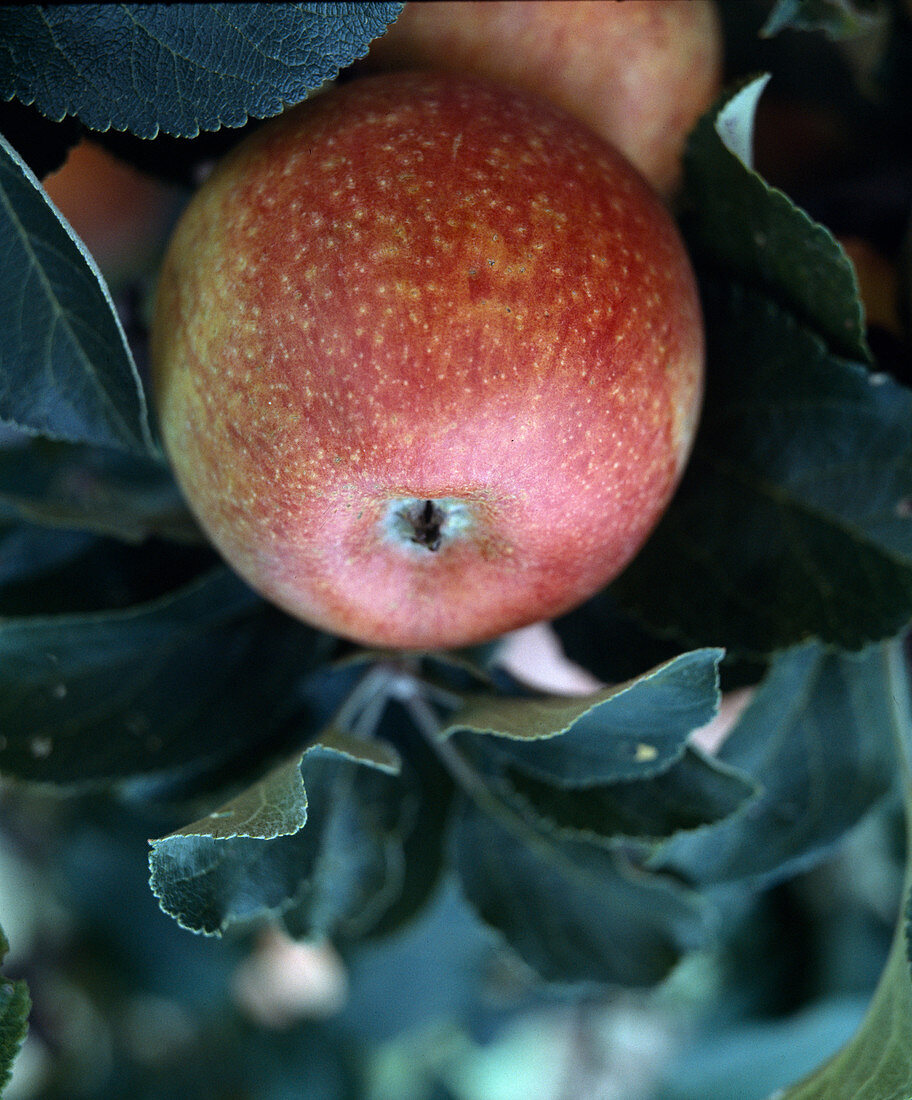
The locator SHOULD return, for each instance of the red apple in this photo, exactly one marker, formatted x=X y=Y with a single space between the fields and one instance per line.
x=640 y=73
x=427 y=358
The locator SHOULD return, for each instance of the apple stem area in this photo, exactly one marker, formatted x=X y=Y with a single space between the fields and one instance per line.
x=412 y=522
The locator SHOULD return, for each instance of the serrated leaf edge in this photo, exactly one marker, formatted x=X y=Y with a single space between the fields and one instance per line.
x=150 y=448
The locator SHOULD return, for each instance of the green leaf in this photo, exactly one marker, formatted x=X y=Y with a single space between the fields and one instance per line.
x=876 y=1063
x=741 y=228
x=630 y=731
x=836 y=18
x=695 y=792
x=574 y=911
x=65 y=369
x=14 y=1009
x=329 y=859
x=187 y=682
x=178 y=68
x=793 y=520
x=93 y=489
x=275 y=805
x=819 y=739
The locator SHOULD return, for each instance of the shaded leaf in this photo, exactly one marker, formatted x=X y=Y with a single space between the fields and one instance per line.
x=65 y=369
x=178 y=68
x=819 y=739
x=574 y=911
x=359 y=818
x=636 y=729
x=15 y=1005
x=695 y=792
x=756 y=1057
x=739 y=225
x=876 y=1063
x=93 y=489
x=52 y=571
x=185 y=682
x=27 y=552
x=207 y=885
x=794 y=517
x=329 y=857
x=429 y=789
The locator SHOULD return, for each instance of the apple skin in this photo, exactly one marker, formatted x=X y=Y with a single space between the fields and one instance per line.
x=420 y=291
x=639 y=73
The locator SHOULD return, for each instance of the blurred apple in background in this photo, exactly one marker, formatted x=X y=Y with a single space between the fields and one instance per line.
x=121 y=215
x=878 y=282
x=638 y=72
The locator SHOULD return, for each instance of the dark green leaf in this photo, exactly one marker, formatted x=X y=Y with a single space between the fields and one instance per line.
x=631 y=731
x=429 y=789
x=694 y=792
x=92 y=489
x=738 y=225
x=837 y=18
x=574 y=911
x=329 y=859
x=14 y=1009
x=187 y=682
x=179 y=68
x=819 y=739
x=795 y=517
x=65 y=369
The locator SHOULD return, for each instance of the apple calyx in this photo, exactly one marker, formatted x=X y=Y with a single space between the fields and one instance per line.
x=427 y=523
